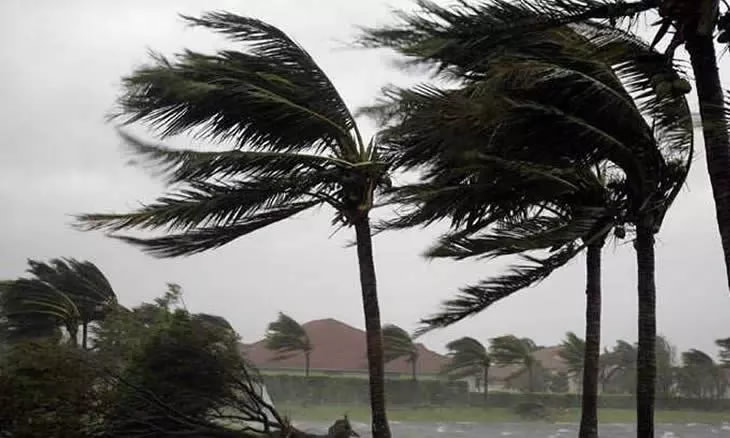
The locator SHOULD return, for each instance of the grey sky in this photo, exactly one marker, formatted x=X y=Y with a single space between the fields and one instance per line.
x=59 y=74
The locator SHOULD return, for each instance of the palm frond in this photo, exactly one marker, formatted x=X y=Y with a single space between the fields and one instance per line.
x=185 y=165
x=456 y=35
x=199 y=239
x=533 y=233
x=474 y=299
x=272 y=97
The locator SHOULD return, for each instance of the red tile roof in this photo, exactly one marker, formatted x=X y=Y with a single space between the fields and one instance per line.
x=339 y=347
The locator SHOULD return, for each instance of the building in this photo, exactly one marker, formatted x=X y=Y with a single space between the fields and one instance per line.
x=340 y=350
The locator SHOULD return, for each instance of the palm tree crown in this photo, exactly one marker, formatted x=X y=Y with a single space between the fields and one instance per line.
x=287 y=338
x=63 y=292
x=398 y=343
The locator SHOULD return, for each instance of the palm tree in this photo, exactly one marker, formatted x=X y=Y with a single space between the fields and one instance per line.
x=543 y=89
x=572 y=351
x=511 y=350
x=293 y=146
x=700 y=376
x=620 y=360
x=398 y=343
x=468 y=357
x=63 y=291
x=460 y=33
x=287 y=337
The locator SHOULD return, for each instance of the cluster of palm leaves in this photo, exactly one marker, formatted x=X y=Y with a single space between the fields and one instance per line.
x=57 y=299
x=286 y=337
x=554 y=138
x=398 y=343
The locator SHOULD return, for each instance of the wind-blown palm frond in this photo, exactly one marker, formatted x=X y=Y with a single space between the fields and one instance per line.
x=274 y=96
x=451 y=35
x=474 y=299
x=287 y=337
x=532 y=233
x=572 y=351
x=397 y=343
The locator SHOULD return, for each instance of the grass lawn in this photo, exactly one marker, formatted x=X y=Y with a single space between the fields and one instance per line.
x=328 y=413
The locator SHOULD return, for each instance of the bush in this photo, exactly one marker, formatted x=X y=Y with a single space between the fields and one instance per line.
x=48 y=390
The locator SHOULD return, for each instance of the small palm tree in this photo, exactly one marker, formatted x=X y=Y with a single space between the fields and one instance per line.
x=572 y=351
x=468 y=357
x=63 y=291
x=291 y=144
x=398 y=343
x=511 y=350
x=287 y=338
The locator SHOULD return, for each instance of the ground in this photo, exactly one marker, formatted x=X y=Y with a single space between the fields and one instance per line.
x=490 y=415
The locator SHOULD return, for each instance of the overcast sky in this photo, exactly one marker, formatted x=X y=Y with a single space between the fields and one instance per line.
x=60 y=68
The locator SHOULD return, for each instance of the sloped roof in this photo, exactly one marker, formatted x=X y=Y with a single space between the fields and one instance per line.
x=339 y=347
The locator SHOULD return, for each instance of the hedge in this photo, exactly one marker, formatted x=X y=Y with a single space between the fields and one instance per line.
x=351 y=390
x=343 y=390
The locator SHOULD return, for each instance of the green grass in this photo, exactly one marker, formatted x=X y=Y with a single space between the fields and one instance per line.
x=327 y=413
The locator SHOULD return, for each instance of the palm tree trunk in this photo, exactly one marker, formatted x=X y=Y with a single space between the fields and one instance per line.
x=715 y=130
x=306 y=364
x=374 y=336
x=589 y=411
x=486 y=385
x=73 y=334
x=413 y=370
x=646 y=360
x=530 y=377
x=84 y=333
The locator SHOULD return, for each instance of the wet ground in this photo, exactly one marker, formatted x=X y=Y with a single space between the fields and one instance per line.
x=525 y=430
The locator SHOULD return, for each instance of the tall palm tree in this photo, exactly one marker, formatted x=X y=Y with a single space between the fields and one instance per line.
x=63 y=291
x=293 y=145
x=451 y=35
x=572 y=92
x=398 y=343
x=468 y=358
x=572 y=351
x=511 y=350
x=287 y=338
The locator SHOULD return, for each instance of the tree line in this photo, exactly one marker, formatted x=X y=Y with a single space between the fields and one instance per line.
x=563 y=130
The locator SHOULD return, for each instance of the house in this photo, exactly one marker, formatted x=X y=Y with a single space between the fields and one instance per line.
x=340 y=350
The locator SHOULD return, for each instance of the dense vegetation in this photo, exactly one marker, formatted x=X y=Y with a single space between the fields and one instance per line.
x=562 y=130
